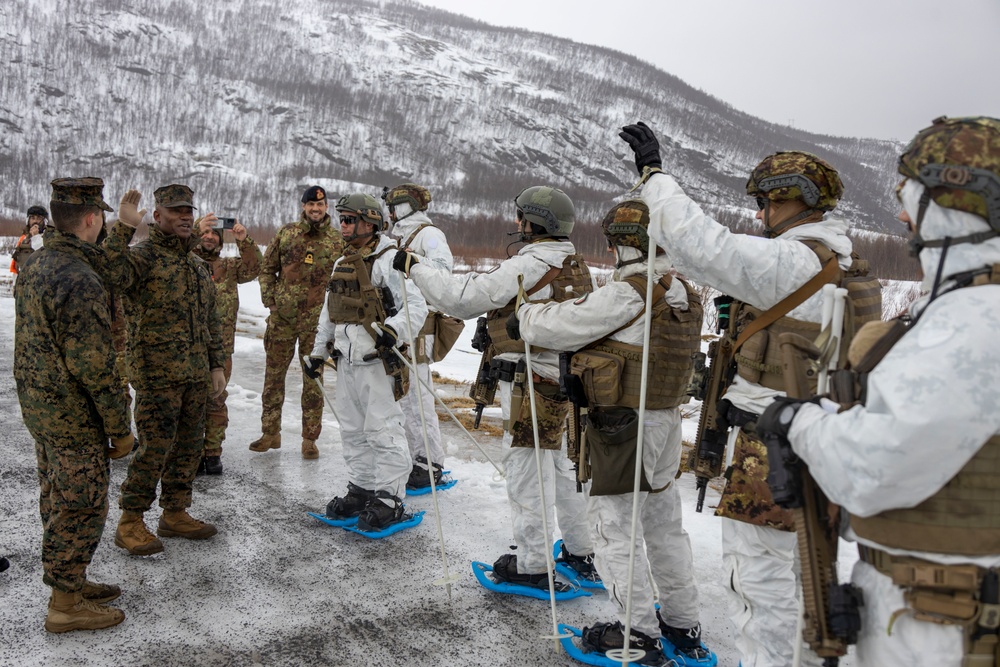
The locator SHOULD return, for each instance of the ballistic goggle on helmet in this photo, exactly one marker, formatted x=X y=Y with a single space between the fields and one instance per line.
x=958 y=162
x=789 y=175
x=626 y=224
x=547 y=207
x=364 y=206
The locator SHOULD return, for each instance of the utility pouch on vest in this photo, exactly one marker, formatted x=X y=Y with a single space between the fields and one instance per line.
x=600 y=373
x=446 y=333
x=751 y=357
x=551 y=408
x=611 y=437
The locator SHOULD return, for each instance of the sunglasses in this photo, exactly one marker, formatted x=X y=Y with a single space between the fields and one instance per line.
x=761 y=203
x=348 y=220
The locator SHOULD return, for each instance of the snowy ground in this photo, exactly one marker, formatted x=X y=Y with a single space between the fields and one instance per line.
x=277 y=587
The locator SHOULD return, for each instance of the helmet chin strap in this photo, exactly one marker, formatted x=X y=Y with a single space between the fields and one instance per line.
x=782 y=227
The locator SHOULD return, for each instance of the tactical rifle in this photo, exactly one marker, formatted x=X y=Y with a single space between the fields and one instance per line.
x=713 y=424
x=484 y=389
x=830 y=611
x=577 y=415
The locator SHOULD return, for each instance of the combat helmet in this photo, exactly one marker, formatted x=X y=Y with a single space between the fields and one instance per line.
x=547 y=207
x=417 y=196
x=364 y=206
x=958 y=162
x=789 y=175
x=626 y=225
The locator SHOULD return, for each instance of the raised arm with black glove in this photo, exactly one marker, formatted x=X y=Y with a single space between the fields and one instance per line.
x=644 y=144
x=404 y=260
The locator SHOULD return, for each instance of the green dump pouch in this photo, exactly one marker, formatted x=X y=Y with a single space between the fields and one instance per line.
x=611 y=439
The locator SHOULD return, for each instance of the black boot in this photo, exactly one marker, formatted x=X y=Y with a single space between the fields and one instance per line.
x=212 y=465
x=687 y=641
x=505 y=570
x=201 y=468
x=383 y=510
x=582 y=565
x=419 y=479
x=606 y=636
x=350 y=505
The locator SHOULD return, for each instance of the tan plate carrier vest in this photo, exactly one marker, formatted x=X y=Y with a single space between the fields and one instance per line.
x=345 y=300
x=570 y=281
x=759 y=358
x=611 y=371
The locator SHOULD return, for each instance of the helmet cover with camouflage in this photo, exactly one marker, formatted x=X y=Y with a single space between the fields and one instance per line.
x=364 y=206
x=789 y=175
x=958 y=161
x=547 y=207
x=626 y=224
x=417 y=196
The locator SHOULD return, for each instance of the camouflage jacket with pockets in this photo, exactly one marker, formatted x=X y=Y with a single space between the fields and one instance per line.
x=64 y=363
x=227 y=273
x=175 y=335
x=296 y=269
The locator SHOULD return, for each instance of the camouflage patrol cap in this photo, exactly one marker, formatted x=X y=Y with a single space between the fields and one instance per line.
x=958 y=161
x=174 y=196
x=417 y=196
x=87 y=191
x=626 y=224
x=789 y=175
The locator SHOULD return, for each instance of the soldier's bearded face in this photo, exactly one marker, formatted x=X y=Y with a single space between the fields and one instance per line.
x=210 y=242
x=315 y=210
x=178 y=221
x=36 y=220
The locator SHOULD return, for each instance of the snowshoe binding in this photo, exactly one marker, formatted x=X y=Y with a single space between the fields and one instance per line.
x=419 y=479
x=604 y=637
x=582 y=567
x=350 y=505
x=687 y=647
x=383 y=510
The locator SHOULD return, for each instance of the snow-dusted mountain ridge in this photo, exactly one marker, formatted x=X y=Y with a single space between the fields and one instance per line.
x=249 y=101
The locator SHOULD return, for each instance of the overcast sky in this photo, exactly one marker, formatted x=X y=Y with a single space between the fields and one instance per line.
x=874 y=68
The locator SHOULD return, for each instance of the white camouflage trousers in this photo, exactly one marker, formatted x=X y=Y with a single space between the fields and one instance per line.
x=371 y=427
x=412 y=407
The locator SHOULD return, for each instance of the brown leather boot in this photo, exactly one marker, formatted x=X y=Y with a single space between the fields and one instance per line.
x=71 y=611
x=100 y=593
x=178 y=523
x=309 y=450
x=133 y=536
x=266 y=442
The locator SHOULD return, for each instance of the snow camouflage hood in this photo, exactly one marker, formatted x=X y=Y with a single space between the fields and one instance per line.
x=775 y=178
x=940 y=222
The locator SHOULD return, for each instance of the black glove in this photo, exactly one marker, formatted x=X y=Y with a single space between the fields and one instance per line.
x=387 y=337
x=513 y=327
x=784 y=467
x=404 y=260
x=644 y=144
x=312 y=367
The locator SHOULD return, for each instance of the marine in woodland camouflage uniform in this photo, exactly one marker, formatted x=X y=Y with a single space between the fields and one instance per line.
x=64 y=368
x=227 y=274
x=293 y=279
x=176 y=358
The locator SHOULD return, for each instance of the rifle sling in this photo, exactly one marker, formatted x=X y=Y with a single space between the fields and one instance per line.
x=789 y=303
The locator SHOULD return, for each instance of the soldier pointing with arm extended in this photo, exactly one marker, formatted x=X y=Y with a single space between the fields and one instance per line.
x=177 y=360
x=67 y=385
x=293 y=278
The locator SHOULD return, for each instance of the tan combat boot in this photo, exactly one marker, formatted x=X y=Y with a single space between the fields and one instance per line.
x=266 y=442
x=100 y=593
x=309 y=450
x=133 y=535
x=71 y=611
x=178 y=523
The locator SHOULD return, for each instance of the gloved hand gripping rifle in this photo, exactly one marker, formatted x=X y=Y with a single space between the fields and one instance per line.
x=484 y=389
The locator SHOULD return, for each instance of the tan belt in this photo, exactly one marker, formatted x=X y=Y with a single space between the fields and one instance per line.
x=910 y=572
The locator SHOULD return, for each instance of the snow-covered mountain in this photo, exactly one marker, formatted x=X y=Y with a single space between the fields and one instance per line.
x=249 y=101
